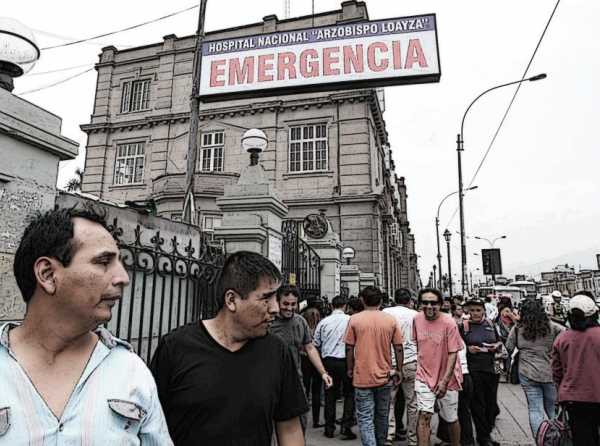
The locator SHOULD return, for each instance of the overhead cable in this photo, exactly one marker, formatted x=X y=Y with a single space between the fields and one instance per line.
x=55 y=83
x=121 y=30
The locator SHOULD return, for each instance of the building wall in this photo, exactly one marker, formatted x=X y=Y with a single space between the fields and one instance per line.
x=352 y=189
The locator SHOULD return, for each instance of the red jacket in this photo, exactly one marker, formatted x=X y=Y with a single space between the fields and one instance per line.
x=576 y=365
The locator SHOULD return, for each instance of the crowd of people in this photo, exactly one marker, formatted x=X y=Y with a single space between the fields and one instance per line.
x=242 y=378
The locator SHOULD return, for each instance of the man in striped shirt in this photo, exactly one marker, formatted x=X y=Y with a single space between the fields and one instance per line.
x=64 y=380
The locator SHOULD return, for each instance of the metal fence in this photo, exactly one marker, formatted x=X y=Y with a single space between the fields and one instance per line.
x=301 y=266
x=168 y=288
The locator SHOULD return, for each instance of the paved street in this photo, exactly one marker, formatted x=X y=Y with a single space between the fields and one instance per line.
x=512 y=426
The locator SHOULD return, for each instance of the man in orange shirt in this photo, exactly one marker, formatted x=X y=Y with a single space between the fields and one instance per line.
x=369 y=336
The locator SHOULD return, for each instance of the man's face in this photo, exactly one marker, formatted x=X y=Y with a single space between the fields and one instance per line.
x=556 y=299
x=476 y=312
x=288 y=305
x=254 y=314
x=430 y=306
x=93 y=283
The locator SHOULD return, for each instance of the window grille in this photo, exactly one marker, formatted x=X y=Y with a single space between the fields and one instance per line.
x=211 y=158
x=129 y=164
x=308 y=148
x=136 y=96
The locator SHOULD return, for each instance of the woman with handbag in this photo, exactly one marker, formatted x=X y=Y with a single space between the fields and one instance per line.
x=575 y=365
x=534 y=335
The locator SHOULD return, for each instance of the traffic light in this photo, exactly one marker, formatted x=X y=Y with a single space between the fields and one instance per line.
x=492 y=263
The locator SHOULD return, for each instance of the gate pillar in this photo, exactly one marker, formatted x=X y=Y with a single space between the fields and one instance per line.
x=329 y=249
x=252 y=212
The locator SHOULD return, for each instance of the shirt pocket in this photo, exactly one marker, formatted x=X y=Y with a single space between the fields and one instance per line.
x=4 y=420
x=127 y=415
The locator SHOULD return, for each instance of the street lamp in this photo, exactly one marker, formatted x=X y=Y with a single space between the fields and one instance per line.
x=459 y=149
x=491 y=242
x=447 y=236
x=434 y=276
x=437 y=232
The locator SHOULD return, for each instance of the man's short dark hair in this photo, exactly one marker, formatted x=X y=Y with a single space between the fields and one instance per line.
x=49 y=234
x=371 y=296
x=402 y=296
x=356 y=304
x=338 y=302
x=288 y=289
x=242 y=273
x=434 y=291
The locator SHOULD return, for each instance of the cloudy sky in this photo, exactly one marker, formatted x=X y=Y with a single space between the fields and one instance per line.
x=540 y=183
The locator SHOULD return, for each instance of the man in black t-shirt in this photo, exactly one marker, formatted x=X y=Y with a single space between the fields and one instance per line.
x=226 y=381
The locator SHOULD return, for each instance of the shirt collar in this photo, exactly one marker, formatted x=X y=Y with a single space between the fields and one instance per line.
x=338 y=312
x=103 y=334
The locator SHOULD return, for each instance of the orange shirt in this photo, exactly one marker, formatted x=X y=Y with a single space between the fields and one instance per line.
x=371 y=333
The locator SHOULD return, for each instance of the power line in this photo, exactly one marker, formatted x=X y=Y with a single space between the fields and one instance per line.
x=55 y=83
x=121 y=30
x=485 y=155
x=58 y=70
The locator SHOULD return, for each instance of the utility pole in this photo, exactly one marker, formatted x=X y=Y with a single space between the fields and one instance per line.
x=189 y=205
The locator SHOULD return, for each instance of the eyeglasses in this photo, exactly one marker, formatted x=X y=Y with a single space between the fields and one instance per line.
x=429 y=303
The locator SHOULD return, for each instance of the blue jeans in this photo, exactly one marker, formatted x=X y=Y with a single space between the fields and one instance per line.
x=372 y=407
x=541 y=399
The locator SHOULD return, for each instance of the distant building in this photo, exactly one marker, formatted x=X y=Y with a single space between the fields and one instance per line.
x=327 y=150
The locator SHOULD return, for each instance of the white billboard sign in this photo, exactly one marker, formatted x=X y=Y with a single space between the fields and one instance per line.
x=354 y=55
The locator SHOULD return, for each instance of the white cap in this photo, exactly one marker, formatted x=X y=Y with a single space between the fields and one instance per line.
x=583 y=303
x=556 y=293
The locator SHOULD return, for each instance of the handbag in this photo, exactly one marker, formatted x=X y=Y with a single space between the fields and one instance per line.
x=513 y=373
x=555 y=432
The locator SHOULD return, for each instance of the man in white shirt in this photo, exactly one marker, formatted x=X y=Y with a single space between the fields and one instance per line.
x=404 y=314
x=329 y=339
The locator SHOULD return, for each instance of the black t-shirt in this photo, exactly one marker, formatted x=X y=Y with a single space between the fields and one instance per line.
x=478 y=334
x=212 y=396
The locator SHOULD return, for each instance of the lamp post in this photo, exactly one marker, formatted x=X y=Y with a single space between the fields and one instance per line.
x=437 y=232
x=459 y=149
x=447 y=236
x=434 y=276
x=491 y=242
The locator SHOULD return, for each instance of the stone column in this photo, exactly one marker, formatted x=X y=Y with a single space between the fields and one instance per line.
x=329 y=249
x=350 y=275
x=252 y=215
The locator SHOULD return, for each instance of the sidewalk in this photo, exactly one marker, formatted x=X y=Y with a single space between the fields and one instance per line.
x=512 y=425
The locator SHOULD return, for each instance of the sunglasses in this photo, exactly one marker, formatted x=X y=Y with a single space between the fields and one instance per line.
x=429 y=303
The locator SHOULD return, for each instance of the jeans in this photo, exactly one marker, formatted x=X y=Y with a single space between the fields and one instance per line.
x=341 y=384
x=372 y=406
x=405 y=397
x=584 y=419
x=312 y=386
x=541 y=399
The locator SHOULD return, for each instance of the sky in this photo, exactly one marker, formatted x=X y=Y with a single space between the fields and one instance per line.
x=540 y=183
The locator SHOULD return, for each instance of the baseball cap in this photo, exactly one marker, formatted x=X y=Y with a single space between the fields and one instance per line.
x=475 y=301
x=583 y=303
x=556 y=293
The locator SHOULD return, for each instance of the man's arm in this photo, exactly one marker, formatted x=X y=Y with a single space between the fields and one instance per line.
x=154 y=426
x=289 y=432
x=557 y=369
x=442 y=386
x=350 y=360
x=399 y=352
x=313 y=355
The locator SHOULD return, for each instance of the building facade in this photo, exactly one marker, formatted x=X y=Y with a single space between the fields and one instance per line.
x=326 y=151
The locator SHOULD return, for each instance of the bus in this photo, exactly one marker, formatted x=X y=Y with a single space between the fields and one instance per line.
x=516 y=294
x=529 y=287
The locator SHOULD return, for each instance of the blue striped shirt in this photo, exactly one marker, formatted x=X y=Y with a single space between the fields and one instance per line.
x=114 y=402
x=329 y=335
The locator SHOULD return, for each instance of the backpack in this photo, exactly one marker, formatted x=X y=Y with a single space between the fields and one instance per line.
x=554 y=432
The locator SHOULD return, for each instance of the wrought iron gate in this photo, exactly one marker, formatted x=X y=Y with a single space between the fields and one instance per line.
x=301 y=266
x=167 y=288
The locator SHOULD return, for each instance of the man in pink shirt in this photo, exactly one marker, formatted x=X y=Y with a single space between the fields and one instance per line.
x=439 y=375
x=369 y=337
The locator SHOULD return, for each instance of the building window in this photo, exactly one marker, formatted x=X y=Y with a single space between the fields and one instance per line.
x=211 y=222
x=136 y=96
x=129 y=163
x=211 y=157
x=308 y=148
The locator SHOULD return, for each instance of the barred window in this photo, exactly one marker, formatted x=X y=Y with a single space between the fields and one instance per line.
x=136 y=96
x=129 y=164
x=211 y=222
x=212 y=152
x=308 y=148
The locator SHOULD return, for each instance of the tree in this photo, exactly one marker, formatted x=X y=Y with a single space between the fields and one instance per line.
x=74 y=184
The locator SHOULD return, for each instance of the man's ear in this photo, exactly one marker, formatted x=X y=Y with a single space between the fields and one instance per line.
x=44 y=270
x=230 y=300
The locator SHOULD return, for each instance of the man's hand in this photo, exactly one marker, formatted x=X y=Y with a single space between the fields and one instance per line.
x=327 y=380
x=396 y=377
x=350 y=373
x=440 y=389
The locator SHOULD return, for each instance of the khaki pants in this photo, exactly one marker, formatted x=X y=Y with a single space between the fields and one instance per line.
x=407 y=387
